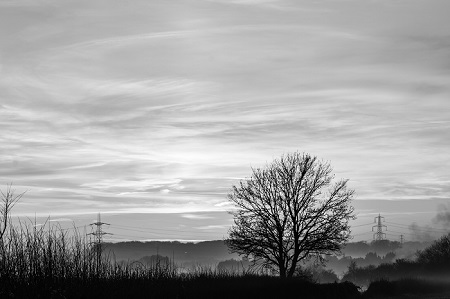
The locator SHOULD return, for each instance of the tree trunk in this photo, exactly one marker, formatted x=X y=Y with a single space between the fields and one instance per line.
x=282 y=268
x=282 y=271
x=291 y=271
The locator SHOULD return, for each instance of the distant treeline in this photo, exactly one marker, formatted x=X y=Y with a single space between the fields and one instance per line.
x=213 y=252
x=341 y=264
x=432 y=262
x=206 y=253
x=383 y=247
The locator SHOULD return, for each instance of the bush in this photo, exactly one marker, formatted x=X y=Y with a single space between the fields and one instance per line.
x=326 y=276
x=437 y=256
x=383 y=288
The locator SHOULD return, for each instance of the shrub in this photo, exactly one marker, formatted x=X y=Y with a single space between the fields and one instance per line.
x=383 y=288
x=437 y=256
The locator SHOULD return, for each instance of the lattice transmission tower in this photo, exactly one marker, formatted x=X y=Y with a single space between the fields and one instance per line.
x=98 y=239
x=379 y=235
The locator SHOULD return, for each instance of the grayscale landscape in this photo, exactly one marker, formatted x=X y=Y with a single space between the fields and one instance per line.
x=224 y=149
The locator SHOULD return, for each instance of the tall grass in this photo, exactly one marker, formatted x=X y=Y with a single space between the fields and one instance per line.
x=32 y=254
x=29 y=253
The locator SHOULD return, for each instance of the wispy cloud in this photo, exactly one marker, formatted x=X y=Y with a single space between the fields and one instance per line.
x=196 y=216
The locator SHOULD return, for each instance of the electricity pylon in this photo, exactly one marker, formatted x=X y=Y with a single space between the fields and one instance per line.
x=98 y=235
x=379 y=235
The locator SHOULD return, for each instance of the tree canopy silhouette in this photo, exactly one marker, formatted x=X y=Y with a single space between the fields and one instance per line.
x=436 y=256
x=289 y=211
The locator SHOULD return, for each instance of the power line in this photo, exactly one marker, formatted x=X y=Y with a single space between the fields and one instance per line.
x=145 y=230
x=153 y=233
x=418 y=227
x=56 y=229
x=128 y=236
x=437 y=230
x=362 y=225
x=400 y=233
x=360 y=234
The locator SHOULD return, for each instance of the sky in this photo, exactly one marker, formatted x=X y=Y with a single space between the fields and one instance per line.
x=150 y=111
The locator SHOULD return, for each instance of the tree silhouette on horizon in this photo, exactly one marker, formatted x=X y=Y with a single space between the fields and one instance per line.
x=289 y=211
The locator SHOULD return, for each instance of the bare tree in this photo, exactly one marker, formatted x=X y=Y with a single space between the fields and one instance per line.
x=8 y=201
x=290 y=211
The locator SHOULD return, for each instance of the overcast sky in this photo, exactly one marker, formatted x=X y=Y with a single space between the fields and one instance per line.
x=126 y=107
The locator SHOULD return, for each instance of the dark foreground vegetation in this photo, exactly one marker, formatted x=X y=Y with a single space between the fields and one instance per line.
x=408 y=288
x=49 y=263
x=42 y=263
x=194 y=286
